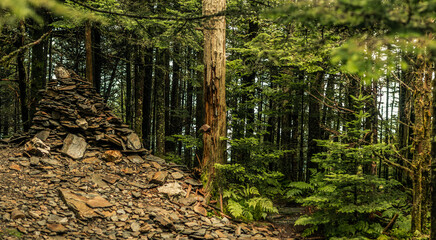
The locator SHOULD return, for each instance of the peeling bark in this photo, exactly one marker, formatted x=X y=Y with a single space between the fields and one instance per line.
x=214 y=88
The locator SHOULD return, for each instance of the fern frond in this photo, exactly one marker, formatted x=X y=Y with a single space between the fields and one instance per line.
x=235 y=209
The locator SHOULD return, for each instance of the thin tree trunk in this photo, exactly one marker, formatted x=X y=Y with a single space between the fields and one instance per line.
x=22 y=83
x=160 y=101
x=88 y=48
x=97 y=59
x=111 y=82
x=38 y=73
x=148 y=90
x=189 y=102
x=129 y=99
x=174 y=120
x=314 y=120
x=139 y=89
x=199 y=110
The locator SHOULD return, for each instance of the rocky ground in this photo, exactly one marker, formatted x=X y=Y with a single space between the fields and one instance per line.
x=80 y=173
x=133 y=197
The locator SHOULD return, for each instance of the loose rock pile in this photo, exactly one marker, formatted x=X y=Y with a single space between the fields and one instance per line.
x=72 y=115
x=95 y=182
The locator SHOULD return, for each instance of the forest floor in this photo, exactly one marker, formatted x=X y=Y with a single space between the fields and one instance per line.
x=59 y=198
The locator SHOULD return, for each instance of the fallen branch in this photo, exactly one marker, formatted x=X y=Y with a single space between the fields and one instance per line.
x=391 y=223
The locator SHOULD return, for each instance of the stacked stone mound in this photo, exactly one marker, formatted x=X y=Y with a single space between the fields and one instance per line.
x=71 y=106
x=84 y=176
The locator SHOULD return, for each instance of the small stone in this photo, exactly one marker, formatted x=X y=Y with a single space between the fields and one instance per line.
x=55 y=227
x=187 y=201
x=200 y=210
x=34 y=161
x=135 y=159
x=177 y=175
x=163 y=220
x=136 y=194
x=49 y=161
x=159 y=177
x=82 y=123
x=98 y=202
x=112 y=155
x=193 y=182
x=135 y=226
x=17 y=214
x=91 y=160
x=43 y=135
x=200 y=232
x=7 y=216
x=123 y=217
x=172 y=189
x=37 y=147
x=41 y=223
x=15 y=167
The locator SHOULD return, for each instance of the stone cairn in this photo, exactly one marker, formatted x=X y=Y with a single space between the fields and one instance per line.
x=73 y=115
x=86 y=175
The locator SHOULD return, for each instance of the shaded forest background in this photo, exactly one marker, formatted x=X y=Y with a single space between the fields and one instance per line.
x=347 y=72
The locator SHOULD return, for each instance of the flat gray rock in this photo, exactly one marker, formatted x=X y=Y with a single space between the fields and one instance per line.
x=133 y=142
x=74 y=146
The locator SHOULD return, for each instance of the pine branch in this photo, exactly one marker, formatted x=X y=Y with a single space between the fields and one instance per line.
x=222 y=13
x=385 y=160
x=23 y=48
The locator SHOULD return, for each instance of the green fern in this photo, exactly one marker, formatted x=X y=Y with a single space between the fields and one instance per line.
x=245 y=203
x=235 y=209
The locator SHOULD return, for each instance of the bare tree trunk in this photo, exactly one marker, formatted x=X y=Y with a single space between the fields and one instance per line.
x=139 y=89
x=88 y=49
x=97 y=59
x=148 y=87
x=129 y=98
x=189 y=102
x=314 y=120
x=160 y=102
x=214 y=89
x=22 y=83
x=39 y=64
x=199 y=109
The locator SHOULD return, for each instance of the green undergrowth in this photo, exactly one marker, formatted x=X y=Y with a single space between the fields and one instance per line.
x=246 y=194
x=11 y=232
x=350 y=201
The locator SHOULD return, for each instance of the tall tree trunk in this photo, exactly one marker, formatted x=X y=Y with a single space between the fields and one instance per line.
x=160 y=101
x=97 y=57
x=189 y=102
x=199 y=108
x=129 y=99
x=421 y=146
x=214 y=89
x=286 y=133
x=166 y=69
x=139 y=89
x=174 y=120
x=314 y=120
x=433 y=160
x=22 y=83
x=148 y=87
x=39 y=64
x=301 y=167
x=89 y=56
